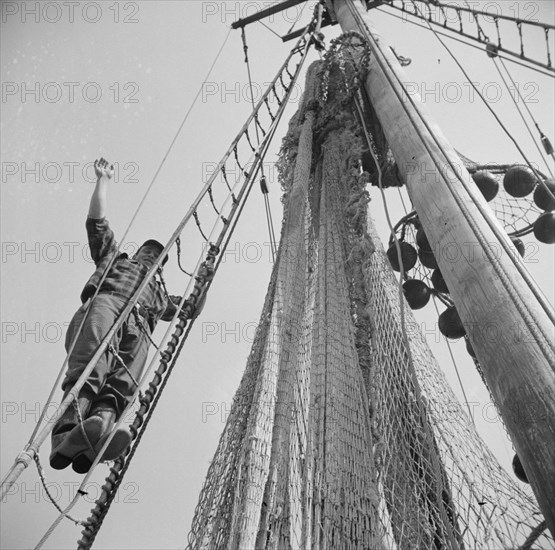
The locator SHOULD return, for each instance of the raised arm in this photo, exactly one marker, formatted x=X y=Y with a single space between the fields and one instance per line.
x=104 y=173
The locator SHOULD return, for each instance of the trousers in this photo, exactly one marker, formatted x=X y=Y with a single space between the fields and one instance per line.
x=109 y=381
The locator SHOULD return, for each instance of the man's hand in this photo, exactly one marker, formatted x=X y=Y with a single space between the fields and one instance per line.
x=104 y=173
x=102 y=170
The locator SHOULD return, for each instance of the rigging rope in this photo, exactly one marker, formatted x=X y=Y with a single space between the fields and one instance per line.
x=516 y=88
x=270 y=223
x=300 y=14
x=269 y=28
x=40 y=470
x=178 y=246
x=118 y=357
x=195 y=215
x=64 y=513
x=456 y=367
x=545 y=141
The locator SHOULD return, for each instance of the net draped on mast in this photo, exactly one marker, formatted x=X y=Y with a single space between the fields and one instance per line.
x=338 y=435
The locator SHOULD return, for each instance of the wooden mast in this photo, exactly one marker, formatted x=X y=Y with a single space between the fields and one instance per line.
x=506 y=317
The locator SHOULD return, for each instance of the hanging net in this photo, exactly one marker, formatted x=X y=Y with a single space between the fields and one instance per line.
x=344 y=433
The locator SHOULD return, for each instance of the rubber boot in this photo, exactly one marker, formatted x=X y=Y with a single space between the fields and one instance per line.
x=95 y=428
x=118 y=444
x=60 y=456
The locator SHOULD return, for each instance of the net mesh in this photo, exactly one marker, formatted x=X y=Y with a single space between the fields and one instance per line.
x=343 y=432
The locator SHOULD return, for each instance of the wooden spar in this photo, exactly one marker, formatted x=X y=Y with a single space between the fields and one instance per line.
x=272 y=10
x=509 y=323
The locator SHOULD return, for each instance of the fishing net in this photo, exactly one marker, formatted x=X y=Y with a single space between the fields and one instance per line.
x=343 y=433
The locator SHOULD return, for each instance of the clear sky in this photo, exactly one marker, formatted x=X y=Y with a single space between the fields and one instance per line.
x=115 y=79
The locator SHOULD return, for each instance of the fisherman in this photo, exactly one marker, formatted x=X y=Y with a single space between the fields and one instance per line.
x=82 y=430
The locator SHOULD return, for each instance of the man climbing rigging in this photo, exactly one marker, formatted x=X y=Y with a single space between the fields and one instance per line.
x=82 y=430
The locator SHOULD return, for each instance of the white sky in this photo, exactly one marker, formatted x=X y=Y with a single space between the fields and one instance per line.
x=158 y=53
